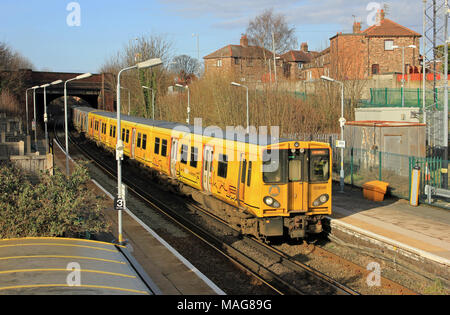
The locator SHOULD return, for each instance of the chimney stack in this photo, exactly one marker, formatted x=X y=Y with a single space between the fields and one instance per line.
x=356 y=27
x=304 y=47
x=244 y=41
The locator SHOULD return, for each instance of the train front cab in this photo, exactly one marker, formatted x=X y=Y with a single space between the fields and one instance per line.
x=296 y=188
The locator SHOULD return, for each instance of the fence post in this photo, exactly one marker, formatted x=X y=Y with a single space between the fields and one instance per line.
x=386 y=96
x=409 y=175
x=379 y=165
x=351 y=165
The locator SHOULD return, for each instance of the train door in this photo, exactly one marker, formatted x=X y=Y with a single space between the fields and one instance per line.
x=173 y=157
x=207 y=168
x=133 y=143
x=298 y=183
x=241 y=179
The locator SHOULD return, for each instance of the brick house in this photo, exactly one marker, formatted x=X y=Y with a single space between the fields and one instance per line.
x=364 y=53
x=295 y=60
x=250 y=63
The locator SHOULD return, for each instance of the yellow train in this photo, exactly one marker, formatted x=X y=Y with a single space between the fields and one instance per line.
x=267 y=188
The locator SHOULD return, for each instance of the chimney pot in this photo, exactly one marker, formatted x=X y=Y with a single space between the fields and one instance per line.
x=356 y=27
x=304 y=47
x=244 y=41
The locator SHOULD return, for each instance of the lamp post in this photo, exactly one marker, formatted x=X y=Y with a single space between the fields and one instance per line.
x=45 y=86
x=403 y=69
x=198 y=45
x=342 y=124
x=188 y=120
x=120 y=202
x=129 y=98
x=34 y=115
x=153 y=99
x=246 y=87
x=26 y=102
x=66 y=125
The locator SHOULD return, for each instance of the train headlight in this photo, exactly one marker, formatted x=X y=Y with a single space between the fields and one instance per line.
x=321 y=200
x=271 y=202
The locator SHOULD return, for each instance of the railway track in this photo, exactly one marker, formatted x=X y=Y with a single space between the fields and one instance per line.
x=302 y=279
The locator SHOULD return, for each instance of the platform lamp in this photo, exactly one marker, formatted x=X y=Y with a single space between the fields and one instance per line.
x=34 y=88
x=153 y=99
x=403 y=68
x=45 y=86
x=188 y=120
x=119 y=202
x=342 y=124
x=66 y=124
x=246 y=87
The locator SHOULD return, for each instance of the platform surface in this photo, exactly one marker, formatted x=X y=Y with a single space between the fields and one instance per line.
x=66 y=266
x=424 y=228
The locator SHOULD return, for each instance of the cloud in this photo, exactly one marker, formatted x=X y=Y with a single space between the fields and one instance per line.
x=235 y=14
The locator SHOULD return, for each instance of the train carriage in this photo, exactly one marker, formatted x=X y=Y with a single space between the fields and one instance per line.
x=280 y=185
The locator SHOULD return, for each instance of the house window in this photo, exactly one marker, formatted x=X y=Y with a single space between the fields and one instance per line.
x=237 y=61
x=300 y=65
x=376 y=69
x=219 y=63
x=388 y=45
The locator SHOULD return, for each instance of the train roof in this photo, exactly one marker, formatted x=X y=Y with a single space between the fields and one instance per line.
x=212 y=132
x=43 y=266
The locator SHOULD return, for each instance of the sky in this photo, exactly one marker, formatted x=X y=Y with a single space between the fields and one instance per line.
x=79 y=36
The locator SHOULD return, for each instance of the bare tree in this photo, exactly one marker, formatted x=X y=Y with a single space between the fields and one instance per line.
x=11 y=60
x=260 y=29
x=185 y=66
x=137 y=50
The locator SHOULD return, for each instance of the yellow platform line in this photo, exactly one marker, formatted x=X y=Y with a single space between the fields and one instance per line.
x=59 y=239
x=56 y=244
x=67 y=286
x=65 y=270
x=60 y=256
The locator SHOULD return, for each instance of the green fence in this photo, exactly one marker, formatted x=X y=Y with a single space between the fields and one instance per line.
x=362 y=166
x=393 y=98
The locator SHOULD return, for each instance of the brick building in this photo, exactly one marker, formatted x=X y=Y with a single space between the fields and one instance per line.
x=251 y=63
x=295 y=60
x=364 y=53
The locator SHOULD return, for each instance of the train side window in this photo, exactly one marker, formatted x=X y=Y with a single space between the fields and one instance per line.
x=139 y=140
x=222 y=168
x=128 y=136
x=184 y=154
x=249 y=175
x=110 y=130
x=144 y=142
x=194 y=157
x=164 y=148
x=157 y=143
x=114 y=131
x=123 y=134
x=91 y=123
x=244 y=171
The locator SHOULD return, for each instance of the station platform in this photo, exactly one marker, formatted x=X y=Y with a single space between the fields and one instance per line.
x=421 y=232
x=43 y=266
x=171 y=272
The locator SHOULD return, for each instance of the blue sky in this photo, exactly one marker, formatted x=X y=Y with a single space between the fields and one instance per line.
x=39 y=31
